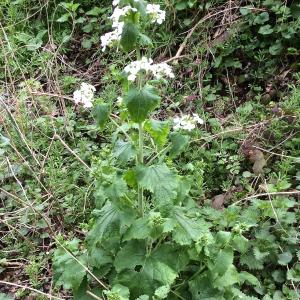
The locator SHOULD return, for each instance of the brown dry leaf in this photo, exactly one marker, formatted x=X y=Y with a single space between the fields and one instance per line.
x=218 y=201
x=258 y=158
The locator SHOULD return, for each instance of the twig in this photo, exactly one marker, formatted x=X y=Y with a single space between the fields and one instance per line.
x=30 y=289
x=56 y=136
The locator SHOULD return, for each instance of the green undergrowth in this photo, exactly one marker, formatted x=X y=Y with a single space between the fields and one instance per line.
x=232 y=229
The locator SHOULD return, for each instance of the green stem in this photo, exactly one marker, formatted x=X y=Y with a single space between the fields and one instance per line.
x=140 y=161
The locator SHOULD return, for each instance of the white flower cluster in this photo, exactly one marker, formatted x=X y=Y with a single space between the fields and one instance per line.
x=108 y=39
x=84 y=95
x=156 y=14
x=114 y=36
x=145 y=64
x=187 y=122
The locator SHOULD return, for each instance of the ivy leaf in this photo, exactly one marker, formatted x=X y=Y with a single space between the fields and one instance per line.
x=158 y=130
x=129 y=36
x=178 y=144
x=159 y=180
x=284 y=258
x=124 y=151
x=141 y=102
x=223 y=261
x=101 y=114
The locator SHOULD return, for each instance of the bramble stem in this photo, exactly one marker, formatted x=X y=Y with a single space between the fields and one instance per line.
x=140 y=161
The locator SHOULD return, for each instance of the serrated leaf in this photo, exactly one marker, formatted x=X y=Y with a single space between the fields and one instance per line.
x=129 y=36
x=68 y=272
x=141 y=102
x=99 y=257
x=223 y=261
x=124 y=151
x=116 y=189
x=158 y=130
x=138 y=230
x=284 y=258
x=229 y=278
x=178 y=144
x=159 y=180
x=188 y=229
x=101 y=113
x=245 y=276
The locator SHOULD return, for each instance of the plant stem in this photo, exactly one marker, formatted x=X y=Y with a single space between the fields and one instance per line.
x=140 y=161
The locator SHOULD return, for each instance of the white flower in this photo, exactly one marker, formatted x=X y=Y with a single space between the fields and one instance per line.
x=119 y=101
x=162 y=69
x=146 y=64
x=187 y=122
x=198 y=119
x=84 y=95
x=115 y=2
x=111 y=37
x=156 y=14
x=120 y=12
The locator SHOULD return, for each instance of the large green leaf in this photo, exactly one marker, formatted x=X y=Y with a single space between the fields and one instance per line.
x=141 y=102
x=119 y=292
x=188 y=229
x=158 y=130
x=116 y=189
x=68 y=272
x=178 y=143
x=129 y=36
x=124 y=151
x=159 y=180
x=223 y=261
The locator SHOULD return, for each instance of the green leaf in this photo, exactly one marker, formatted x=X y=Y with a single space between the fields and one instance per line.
x=119 y=292
x=5 y=297
x=68 y=271
x=261 y=18
x=116 y=189
x=145 y=40
x=178 y=144
x=201 y=288
x=141 y=102
x=107 y=215
x=162 y=292
x=276 y=49
x=129 y=36
x=245 y=11
x=265 y=30
x=101 y=113
x=138 y=230
x=158 y=130
x=229 y=278
x=245 y=276
x=188 y=229
x=63 y=18
x=131 y=255
x=159 y=180
x=223 y=261
x=124 y=151
x=284 y=258
x=240 y=243
x=87 y=43
x=99 y=257
x=95 y=11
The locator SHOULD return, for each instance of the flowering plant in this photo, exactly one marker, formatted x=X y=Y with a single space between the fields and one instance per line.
x=149 y=238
